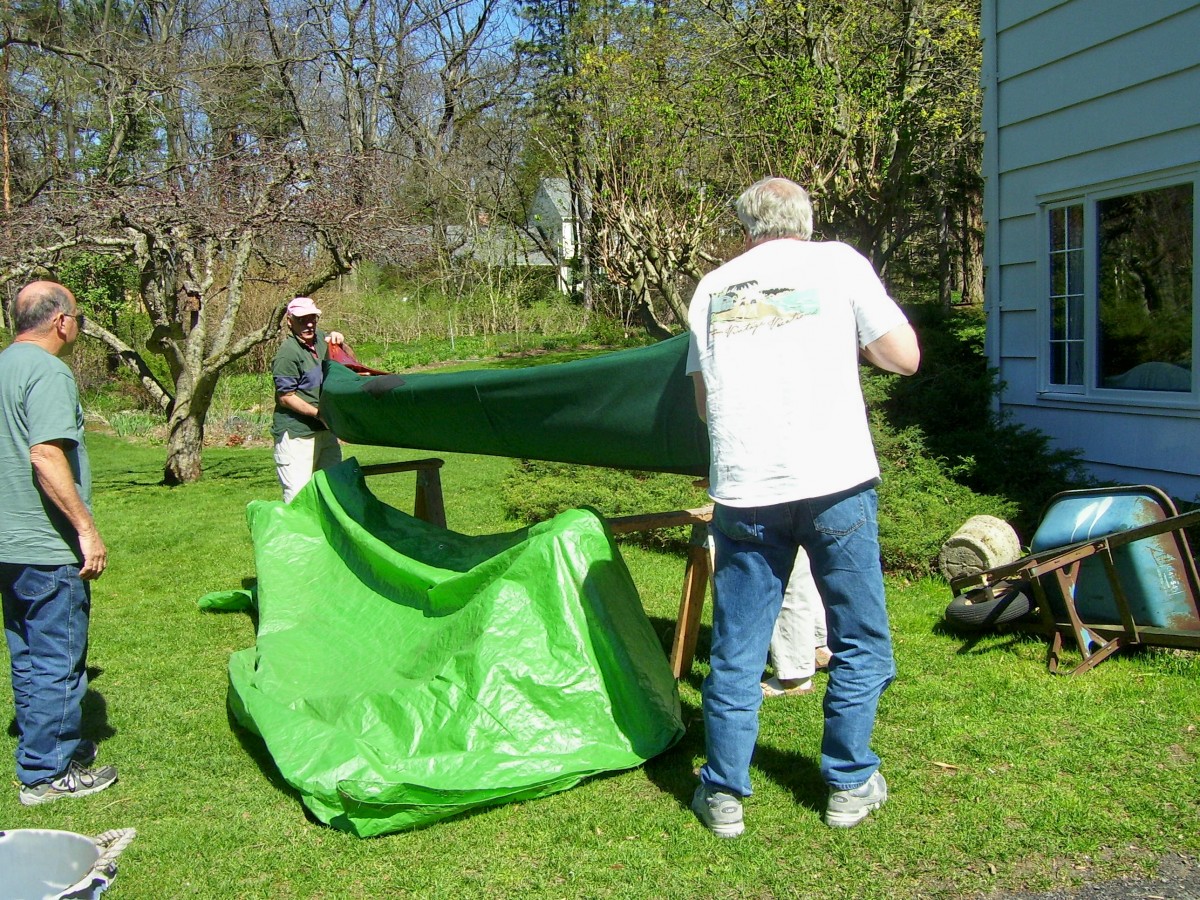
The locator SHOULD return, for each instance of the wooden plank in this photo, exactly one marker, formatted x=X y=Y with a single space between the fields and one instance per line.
x=428 y=503
x=650 y=521
x=410 y=466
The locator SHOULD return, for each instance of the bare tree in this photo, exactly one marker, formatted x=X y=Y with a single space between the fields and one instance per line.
x=652 y=234
x=422 y=87
x=187 y=167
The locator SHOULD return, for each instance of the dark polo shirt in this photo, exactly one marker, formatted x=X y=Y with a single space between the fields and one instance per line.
x=296 y=369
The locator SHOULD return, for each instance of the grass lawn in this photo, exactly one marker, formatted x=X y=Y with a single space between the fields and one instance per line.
x=1001 y=775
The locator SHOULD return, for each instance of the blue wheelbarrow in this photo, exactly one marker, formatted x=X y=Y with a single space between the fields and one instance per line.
x=1108 y=568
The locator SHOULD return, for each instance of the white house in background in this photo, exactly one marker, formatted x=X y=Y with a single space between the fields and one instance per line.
x=1092 y=165
x=552 y=216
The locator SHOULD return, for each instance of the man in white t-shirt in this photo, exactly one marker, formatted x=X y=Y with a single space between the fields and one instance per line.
x=777 y=333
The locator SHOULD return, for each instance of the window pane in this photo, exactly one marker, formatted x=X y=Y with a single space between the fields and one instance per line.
x=1058 y=232
x=1144 y=290
x=1075 y=226
x=1058 y=319
x=1075 y=318
x=1066 y=362
x=1075 y=272
x=1075 y=364
x=1058 y=274
x=1066 y=294
x=1058 y=363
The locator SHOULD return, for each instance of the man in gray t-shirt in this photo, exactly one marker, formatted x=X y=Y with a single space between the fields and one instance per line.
x=49 y=547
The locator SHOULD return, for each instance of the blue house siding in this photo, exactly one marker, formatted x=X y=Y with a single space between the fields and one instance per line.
x=1082 y=96
x=1037 y=33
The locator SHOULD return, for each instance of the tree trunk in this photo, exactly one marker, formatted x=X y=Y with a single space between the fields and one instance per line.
x=6 y=163
x=185 y=450
x=185 y=439
x=972 y=264
x=644 y=305
x=945 y=264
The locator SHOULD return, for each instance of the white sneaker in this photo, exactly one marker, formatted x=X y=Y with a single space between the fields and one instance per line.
x=720 y=812
x=847 y=808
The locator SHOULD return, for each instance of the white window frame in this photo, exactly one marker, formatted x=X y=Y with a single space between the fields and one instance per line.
x=1089 y=391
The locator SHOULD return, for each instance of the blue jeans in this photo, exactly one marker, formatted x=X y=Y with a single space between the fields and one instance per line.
x=46 y=623
x=755 y=549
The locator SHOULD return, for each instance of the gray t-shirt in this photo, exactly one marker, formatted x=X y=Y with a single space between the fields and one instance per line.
x=39 y=402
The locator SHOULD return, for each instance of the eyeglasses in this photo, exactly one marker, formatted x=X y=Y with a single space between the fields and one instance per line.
x=79 y=318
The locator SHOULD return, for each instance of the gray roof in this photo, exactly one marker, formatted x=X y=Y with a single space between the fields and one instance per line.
x=495 y=245
x=552 y=199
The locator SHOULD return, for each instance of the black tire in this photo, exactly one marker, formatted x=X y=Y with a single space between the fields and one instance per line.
x=973 y=610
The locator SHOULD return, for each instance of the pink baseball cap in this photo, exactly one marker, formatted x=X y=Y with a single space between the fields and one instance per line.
x=302 y=306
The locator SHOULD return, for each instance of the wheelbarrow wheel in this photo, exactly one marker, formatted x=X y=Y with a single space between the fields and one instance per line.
x=975 y=610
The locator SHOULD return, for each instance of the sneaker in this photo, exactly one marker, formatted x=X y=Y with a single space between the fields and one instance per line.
x=847 y=808
x=786 y=687
x=77 y=781
x=720 y=812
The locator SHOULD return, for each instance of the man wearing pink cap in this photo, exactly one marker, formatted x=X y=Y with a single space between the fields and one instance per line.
x=303 y=443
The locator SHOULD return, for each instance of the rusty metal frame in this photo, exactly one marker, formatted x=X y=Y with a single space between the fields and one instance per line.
x=1096 y=641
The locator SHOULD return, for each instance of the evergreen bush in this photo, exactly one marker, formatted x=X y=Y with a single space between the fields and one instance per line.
x=952 y=402
x=536 y=490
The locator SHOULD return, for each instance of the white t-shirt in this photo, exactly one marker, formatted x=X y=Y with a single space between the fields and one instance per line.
x=776 y=333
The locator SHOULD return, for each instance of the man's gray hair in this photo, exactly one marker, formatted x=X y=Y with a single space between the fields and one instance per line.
x=775 y=208
x=37 y=304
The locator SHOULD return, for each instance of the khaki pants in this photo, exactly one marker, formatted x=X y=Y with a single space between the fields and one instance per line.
x=296 y=458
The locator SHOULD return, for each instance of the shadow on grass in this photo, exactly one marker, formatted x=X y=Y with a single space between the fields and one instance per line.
x=673 y=771
x=127 y=480
x=256 y=749
x=979 y=643
x=664 y=628
x=796 y=771
x=251 y=468
x=95 y=710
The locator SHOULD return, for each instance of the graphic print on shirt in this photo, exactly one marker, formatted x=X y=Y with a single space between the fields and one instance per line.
x=748 y=305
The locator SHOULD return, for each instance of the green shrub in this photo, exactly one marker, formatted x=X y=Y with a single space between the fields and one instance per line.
x=920 y=502
x=944 y=456
x=137 y=423
x=105 y=392
x=950 y=400
x=517 y=305
x=536 y=490
x=240 y=392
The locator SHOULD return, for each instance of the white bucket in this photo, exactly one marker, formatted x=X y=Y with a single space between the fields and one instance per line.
x=41 y=864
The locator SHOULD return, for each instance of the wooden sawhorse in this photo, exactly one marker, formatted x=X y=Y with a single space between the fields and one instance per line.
x=428 y=503
x=696 y=575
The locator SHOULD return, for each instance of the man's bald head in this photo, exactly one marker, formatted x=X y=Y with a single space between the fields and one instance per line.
x=38 y=303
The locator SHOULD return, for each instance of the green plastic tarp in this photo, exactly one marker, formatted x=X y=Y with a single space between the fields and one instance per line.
x=630 y=409
x=403 y=673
